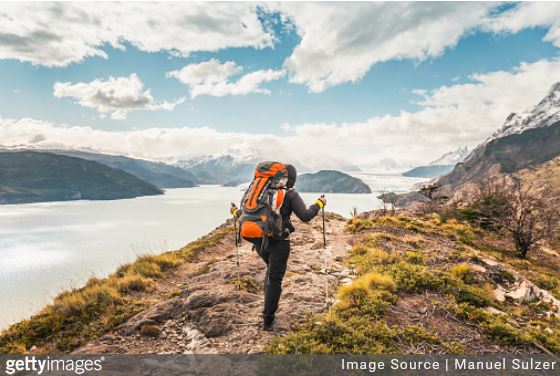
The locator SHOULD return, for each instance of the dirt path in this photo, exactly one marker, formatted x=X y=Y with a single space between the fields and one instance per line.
x=209 y=315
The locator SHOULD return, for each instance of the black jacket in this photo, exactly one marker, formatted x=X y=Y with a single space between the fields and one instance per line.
x=294 y=204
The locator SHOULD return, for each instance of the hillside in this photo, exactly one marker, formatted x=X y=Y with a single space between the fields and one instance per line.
x=402 y=284
x=27 y=176
x=441 y=166
x=428 y=171
x=157 y=173
x=330 y=181
x=526 y=141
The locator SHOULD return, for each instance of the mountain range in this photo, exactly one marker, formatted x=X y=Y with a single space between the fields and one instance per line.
x=526 y=144
x=161 y=174
x=30 y=176
x=223 y=169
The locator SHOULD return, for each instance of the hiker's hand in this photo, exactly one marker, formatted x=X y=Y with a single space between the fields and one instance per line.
x=321 y=201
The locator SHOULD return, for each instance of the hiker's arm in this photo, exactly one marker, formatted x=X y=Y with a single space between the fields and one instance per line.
x=235 y=211
x=302 y=212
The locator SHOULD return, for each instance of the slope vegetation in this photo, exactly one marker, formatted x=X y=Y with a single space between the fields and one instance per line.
x=400 y=284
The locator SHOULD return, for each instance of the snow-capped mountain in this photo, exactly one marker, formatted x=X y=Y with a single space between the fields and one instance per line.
x=546 y=113
x=440 y=166
x=528 y=139
x=222 y=168
x=452 y=157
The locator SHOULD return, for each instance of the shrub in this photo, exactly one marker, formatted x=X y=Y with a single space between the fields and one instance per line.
x=415 y=257
x=463 y=273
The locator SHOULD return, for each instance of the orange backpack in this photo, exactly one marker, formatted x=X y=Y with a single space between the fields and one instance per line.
x=261 y=203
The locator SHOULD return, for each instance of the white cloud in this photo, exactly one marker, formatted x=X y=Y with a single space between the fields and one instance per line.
x=340 y=42
x=529 y=15
x=57 y=34
x=116 y=96
x=214 y=78
x=451 y=116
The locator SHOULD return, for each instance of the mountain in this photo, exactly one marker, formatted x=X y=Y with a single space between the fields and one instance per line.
x=330 y=181
x=157 y=173
x=440 y=166
x=221 y=168
x=428 y=171
x=29 y=176
x=527 y=140
x=452 y=157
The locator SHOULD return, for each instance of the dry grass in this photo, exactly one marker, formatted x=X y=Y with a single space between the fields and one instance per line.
x=81 y=315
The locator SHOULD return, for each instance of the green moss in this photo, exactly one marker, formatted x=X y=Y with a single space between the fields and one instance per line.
x=248 y=284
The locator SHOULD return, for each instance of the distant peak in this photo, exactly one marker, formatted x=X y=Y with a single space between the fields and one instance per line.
x=546 y=113
x=555 y=88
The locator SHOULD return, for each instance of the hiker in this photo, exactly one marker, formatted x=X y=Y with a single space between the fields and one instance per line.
x=277 y=180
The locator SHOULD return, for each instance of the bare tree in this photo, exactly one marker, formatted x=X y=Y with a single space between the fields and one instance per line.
x=385 y=200
x=434 y=198
x=527 y=211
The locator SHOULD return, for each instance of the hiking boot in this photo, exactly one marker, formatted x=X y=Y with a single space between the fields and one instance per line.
x=268 y=324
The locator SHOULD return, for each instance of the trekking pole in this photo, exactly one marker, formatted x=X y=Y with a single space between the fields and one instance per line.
x=325 y=261
x=324 y=235
x=236 y=238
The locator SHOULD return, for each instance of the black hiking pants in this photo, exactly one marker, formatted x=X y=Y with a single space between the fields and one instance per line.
x=276 y=258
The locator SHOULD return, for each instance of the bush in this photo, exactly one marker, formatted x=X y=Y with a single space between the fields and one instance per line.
x=463 y=273
x=415 y=257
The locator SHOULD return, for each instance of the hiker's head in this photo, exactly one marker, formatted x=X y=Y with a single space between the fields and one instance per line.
x=292 y=175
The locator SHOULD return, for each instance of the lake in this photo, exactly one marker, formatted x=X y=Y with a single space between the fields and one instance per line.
x=49 y=247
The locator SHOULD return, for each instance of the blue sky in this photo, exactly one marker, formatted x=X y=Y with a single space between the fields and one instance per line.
x=491 y=43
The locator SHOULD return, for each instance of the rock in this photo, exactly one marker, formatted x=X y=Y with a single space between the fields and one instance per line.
x=33 y=348
x=523 y=293
x=500 y=294
x=494 y=311
x=342 y=274
x=316 y=245
x=489 y=262
x=346 y=280
x=478 y=268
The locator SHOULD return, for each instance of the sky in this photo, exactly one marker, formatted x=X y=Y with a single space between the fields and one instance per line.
x=324 y=84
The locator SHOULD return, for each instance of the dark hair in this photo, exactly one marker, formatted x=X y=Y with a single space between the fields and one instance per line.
x=292 y=175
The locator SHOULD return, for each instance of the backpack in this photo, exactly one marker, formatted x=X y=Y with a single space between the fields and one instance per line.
x=261 y=203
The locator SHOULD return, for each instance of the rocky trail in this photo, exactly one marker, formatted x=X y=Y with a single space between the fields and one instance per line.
x=205 y=312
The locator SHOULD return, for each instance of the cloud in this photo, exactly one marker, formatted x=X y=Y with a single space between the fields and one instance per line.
x=213 y=78
x=340 y=42
x=529 y=15
x=57 y=34
x=116 y=96
x=450 y=116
